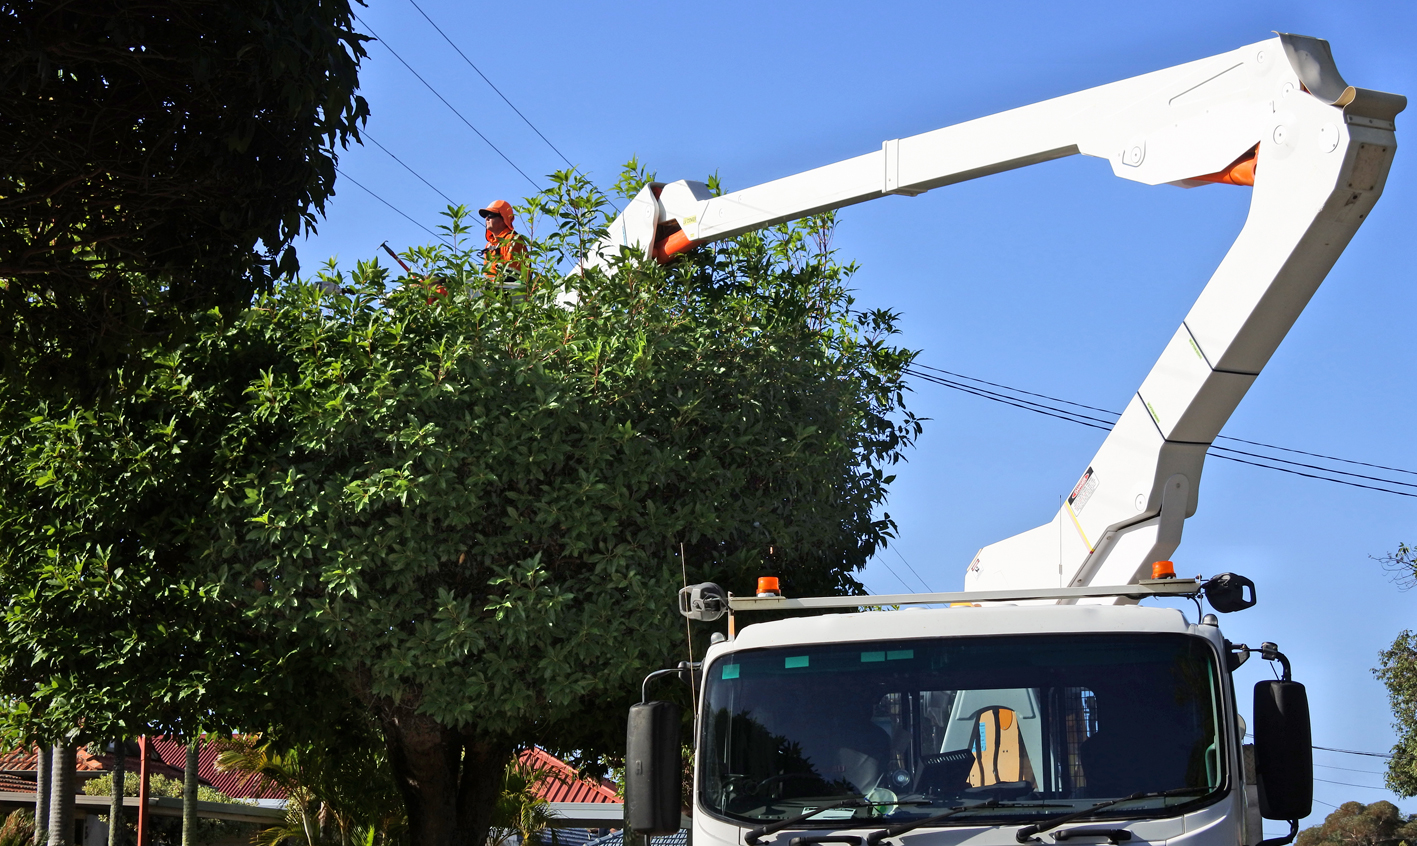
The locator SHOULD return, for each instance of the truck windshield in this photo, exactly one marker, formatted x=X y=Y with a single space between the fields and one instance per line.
x=1042 y=725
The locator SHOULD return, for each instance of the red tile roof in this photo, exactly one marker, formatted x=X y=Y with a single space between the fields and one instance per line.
x=233 y=784
x=565 y=784
x=18 y=761
x=170 y=759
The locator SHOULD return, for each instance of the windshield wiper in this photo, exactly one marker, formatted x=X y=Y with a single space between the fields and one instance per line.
x=752 y=837
x=891 y=831
x=1026 y=833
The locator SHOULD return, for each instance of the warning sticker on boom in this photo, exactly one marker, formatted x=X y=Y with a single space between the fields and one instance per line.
x=1084 y=490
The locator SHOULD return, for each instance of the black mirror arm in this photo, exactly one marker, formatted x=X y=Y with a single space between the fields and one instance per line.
x=1283 y=841
x=1267 y=651
x=679 y=671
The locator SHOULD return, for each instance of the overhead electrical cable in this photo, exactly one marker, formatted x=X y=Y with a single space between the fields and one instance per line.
x=366 y=134
x=1347 y=784
x=1218 y=437
x=924 y=583
x=1355 y=752
x=479 y=72
x=1320 y=455
x=392 y=206
x=450 y=106
x=509 y=103
x=1016 y=397
x=1015 y=390
x=908 y=588
x=1348 y=769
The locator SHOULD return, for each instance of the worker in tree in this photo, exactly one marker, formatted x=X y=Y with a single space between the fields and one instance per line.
x=504 y=251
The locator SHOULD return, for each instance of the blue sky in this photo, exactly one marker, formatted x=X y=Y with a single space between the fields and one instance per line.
x=1059 y=278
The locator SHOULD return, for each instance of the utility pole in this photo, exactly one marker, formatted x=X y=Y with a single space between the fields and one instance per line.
x=143 y=791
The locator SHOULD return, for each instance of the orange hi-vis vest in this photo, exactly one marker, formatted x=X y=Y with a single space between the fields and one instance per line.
x=502 y=253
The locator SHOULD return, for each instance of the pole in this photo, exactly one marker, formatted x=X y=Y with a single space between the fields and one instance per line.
x=143 y=792
x=42 y=770
x=115 y=807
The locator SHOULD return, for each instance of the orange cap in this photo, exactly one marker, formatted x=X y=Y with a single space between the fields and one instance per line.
x=1163 y=570
x=767 y=586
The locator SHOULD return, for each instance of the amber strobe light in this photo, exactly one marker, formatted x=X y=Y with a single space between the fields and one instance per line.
x=767 y=586
x=1163 y=570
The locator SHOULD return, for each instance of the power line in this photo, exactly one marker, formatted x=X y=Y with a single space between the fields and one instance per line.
x=1314 y=467
x=1320 y=455
x=1219 y=437
x=1104 y=424
x=908 y=588
x=392 y=206
x=1313 y=476
x=1346 y=784
x=926 y=584
x=1348 y=770
x=1016 y=390
x=446 y=103
x=1354 y=752
x=524 y=118
x=366 y=134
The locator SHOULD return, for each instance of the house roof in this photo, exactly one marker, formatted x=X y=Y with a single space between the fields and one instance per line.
x=565 y=784
x=170 y=759
x=17 y=768
x=233 y=784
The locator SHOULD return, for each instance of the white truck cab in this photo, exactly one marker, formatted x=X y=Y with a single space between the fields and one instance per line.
x=991 y=724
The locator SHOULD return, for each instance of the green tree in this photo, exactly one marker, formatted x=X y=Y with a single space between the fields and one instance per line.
x=1356 y=824
x=459 y=507
x=1397 y=671
x=158 y=158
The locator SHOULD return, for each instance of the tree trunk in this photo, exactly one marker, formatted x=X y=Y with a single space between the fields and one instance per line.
x=189 y=796
x=115 y=805
x=61 y=796
x=449 y=781
x=43 y=768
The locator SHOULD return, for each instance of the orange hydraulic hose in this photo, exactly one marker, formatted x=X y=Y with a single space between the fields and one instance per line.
x=1242 y=172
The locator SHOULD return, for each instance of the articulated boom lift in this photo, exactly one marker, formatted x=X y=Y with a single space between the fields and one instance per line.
x=1275 y=115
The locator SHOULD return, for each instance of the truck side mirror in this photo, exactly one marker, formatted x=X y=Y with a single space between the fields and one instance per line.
x=1284 y=756
x=653 y=768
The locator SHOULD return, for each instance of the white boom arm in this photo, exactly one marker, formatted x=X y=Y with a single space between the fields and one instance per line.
x=1276 y=114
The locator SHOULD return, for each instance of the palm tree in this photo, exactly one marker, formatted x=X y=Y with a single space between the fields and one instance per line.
x=521 y=813
x=343 y=797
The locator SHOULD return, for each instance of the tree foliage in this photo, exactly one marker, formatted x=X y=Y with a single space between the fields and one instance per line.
x=158 y=158
x=1402 y=564
x=463 y=508
x=1356 y=824
x=1398 y=672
